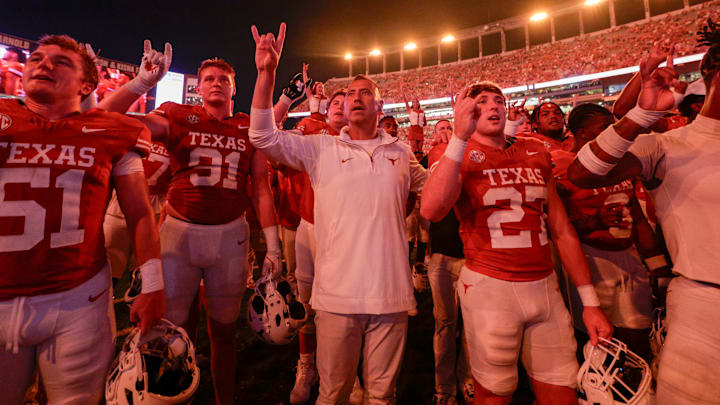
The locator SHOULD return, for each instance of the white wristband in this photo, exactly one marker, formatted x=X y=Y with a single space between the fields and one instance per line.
x=512 y=126
x=151 y=274
x=138 y=86
x=655 y=262
x=455 y=149
x=272 y=241
x=590 y=161
x=612 y=143
x=588 y=296
x=286 y=100
x=261 y=118
x=644 y=118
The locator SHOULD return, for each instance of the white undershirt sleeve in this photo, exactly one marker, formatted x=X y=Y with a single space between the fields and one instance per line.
x=129 y=164
x=648 y=149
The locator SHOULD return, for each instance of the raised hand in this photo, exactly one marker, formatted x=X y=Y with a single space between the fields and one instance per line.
x=466 y=115
x=659 y=85
x=659 y=53
x=517 y=112
x=268 y=49
x=154 y=65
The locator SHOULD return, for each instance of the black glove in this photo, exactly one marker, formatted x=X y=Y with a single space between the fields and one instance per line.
x=296 y=88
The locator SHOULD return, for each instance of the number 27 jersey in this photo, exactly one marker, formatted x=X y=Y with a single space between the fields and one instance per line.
x=501 y=210
x=210 y=161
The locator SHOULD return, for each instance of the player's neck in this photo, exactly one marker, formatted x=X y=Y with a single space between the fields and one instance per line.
x=337 y=126
x=496 y=141
x=362 y=130
x=556 y=135
x=54 y=110
x=711 y=108
x=219 y=111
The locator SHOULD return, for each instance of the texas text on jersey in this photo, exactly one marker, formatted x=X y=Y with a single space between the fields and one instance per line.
x=55 y=179
x=157 y=169
x=210 y=162
x=310 y=126
x=583 y=203
x=501 y=209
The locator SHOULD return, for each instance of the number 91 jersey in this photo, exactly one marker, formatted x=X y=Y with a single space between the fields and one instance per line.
x=210 y=161
x=55 y=183
x=501 y=209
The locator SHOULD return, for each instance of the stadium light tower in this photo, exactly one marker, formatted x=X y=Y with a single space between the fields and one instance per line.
x=375 y=52
x=539 y=16
x=348 y=57
x=448 y=38
x=410 y=46
x=592 y=2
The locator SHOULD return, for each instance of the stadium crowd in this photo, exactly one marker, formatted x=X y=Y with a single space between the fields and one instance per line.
x=559 y=240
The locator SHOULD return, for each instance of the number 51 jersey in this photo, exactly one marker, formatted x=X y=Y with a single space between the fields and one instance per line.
x=210 y=161
x=55 y=183
x=501 y=209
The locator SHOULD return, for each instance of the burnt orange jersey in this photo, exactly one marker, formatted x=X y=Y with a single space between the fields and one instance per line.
x=55 y=184
x=583 y=203
x=501 y=208
x=210 y=161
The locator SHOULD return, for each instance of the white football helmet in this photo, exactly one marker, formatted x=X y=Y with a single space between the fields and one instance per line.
x=274 y=313
x=613 y=375
x=420 y=277
x=156 y=369
x=134 y=288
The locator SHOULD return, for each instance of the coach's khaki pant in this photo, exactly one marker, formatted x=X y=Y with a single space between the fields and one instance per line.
x=340 y=340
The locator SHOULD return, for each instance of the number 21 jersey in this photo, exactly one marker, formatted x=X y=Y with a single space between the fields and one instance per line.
x=210 y=160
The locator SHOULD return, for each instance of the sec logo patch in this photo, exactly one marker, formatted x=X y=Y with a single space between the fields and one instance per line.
x=5 y=122
x=193 y=119
x=477 y=156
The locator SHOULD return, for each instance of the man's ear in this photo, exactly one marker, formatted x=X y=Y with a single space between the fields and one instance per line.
x=86 y=89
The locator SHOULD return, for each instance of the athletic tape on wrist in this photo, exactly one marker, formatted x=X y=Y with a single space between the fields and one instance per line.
x=286 y=100
x=644 y=118
x=512 y=126
x=138 y=86
x=590 y=161
x=455 y=149
x=612 y=143
x=655 y=262
x=151 y=274
x=588 y=296
x=272 y=240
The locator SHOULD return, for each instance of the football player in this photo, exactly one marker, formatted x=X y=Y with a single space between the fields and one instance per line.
x=205 y=234
x=58 y=167
x=612 y=230
x=548 y=125
x=511 y=305
x=684 y=168
x=361 y=179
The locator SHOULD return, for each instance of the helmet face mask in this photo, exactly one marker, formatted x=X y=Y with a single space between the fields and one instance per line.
x=613 y=375
x=158 y=368
x=274 y=313
x=420 y=279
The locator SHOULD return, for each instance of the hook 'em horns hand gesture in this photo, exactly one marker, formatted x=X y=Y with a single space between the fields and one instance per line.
x=268 y=49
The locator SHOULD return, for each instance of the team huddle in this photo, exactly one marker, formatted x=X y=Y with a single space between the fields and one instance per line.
x=542 y=237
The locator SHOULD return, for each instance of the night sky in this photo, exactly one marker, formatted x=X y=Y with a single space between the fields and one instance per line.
x=319 y=32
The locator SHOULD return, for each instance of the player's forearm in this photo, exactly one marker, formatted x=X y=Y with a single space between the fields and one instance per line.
x=143 y=230
x=281 y=109
x=605 y=162
x=264 y=85
x=441 y=190
x=572 y=256
x=628 y=97
x=119 y=100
